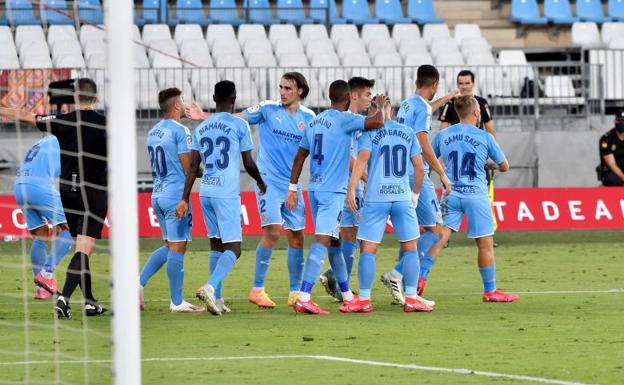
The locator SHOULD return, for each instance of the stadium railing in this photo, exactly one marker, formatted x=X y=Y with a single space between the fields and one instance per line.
x=607 y=73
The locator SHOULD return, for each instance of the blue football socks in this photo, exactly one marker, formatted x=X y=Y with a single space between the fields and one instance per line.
x=38 y=252
x=426 y=242
x=212 y=263
x=399 y=266
x=366 y=274
x=348 y=253
x=62 y=243
x=175 y=274
x=488 y=275
x=313 y=266
x=426 y=263
x=153 y=264
x=411 y=267
x=224 y=266
x=295 y=268
x=263 y=259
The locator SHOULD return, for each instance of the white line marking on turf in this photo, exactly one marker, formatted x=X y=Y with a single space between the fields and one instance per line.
x=325 y=358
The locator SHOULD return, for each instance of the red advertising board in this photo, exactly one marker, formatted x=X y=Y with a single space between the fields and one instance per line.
x=515 y=209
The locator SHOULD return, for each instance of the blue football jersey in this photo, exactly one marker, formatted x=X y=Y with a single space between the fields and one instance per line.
x=328 y=139
x=465 y=150
x=415 y=112
x=392 y=148
x=220 y=139
x=279 y=137
x=165 y=142
x=42 y=164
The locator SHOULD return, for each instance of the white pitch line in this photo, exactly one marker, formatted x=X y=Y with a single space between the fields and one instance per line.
x=323 y=358
x=547 y=292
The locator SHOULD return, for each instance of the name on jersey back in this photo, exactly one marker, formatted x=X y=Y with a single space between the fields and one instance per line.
x=380 y=134
x=215 y=126
x=460 y=138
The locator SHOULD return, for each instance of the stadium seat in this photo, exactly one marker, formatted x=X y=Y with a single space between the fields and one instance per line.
x=224 y=12
x=149 y=12
x=357 y=60
x=221 y=47
x=349 y=47
x=466 y=31
x=291 y=11
x=189 y=12
x=409 y=47
x=287 y=47
x=357 y=12
x=417 y=59
x=61 y=32
x=325 y=60
x=261 y=60
x=98 y=47
x=591 y=10
x=165 y=47
x=190 y=47
x=405 y=31
x=293 y=60
x=558 y=12
x=89 y=33
x=90 y=11
x=616 y=44
x=433 y=32
x=312 y=32
x=422 y=12
x=36 y=61
x=318 y=12
x=319 y=46
x=390 y=12
x=185 y=32
x=449 y=59
x=140 y=57
x=249 y=31
x=257 y=47
x=586 y=35
x=444 y=46
x=526 y=12
x=26 y=34
x=615 y=10
x=71 y=61
x=65 y=48
x=259 y=12
x=220 y=32
x=20 y=12
x=375 y=32
x=515 y=67
x=8 y=53
x=146 y=89
x=340 y=32
x=475 y=44
x=155 y=32
x=480 y=59
x=279 y=31
x=612 y=31
x=98 y=61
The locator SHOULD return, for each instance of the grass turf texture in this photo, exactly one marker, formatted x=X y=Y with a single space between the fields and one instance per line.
x=567 y=336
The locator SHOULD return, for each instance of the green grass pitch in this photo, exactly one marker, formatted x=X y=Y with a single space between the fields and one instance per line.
x=567 y=325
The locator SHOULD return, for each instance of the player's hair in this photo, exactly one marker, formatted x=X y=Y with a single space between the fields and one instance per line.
x=224 y=91
x=338 y=90
x=426 y=76
x=464 y=105
x=165 y=98
x=466 y=73
x=300 y=81
x=358 y=83
x=87 y=90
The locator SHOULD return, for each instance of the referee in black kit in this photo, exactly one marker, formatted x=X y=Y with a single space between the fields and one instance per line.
x=83 y=186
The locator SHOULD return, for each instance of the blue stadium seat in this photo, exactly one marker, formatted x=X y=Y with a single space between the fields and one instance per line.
x=90 y=11
x=20 y=12
x=390 y=12
x=318 y=12
x=224 y=12
x=357 y=12
x=422 y=12
x=591 y=10
x=189 y=12
x=291 y=12
x=558 y=12
x=149 y=11
x=259 y=12
x=615 y=9
x=526 y=12
x=50 y=16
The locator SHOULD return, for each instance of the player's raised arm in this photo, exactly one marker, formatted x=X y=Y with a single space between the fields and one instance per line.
x=191 y=174
x=359 y=168
x=195 y=112
x=376 y=120
x=436 y=104
x=18 y=115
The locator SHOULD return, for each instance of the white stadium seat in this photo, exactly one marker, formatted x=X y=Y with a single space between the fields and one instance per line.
x=61 y=32
x=69 y=61
x=311 y=32
x=344 y=32
x=90 y=33
x=417 y=59
x=248 y=31
x=347 y=48
x=616 y=44
x=402 y=32
x=586 y=35
x=612 y=31
x=480 y=58
x=444 y=46
x=293 y=60
x=261 y=60
x=466 y=31
x=325 y=60
x=288 y=47
x=226 y=48
x=25 y=34
x=185 y=32
x=409 y=47
x=223 y=32
x=375 y=32
x=356 y=60
x=153 y=32
x=224 y=61
x=319 y=46
x=279 y=31
x=36 y=61
x=475 y=44
x=162 y=47
x=433 y=32
x=98 y=61
x=189 y=47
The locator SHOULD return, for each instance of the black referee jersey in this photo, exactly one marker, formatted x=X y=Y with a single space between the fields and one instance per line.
x=449 y=115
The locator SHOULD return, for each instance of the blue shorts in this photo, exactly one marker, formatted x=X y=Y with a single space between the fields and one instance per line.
x=478 y=213
x=173 y=229
x=428 y=209
x=222 y=217
x=273 y=211
x=352 y=218
x=41 y=205
x=326 y=212
x=375 y=216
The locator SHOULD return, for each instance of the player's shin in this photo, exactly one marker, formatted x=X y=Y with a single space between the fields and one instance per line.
x=62 y=244
x=425 y=243
x=213 y=259
x=313 y=266
x=263 y=260
x=339 y=267
x=153 y=264
x=38 y=252
x=295 y=268
x=348 y=252
x=411 y=269
x=175 y=274
x=224 y=266
x=366 y=274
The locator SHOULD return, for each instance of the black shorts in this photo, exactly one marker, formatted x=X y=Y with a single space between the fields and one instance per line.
x=85 y=213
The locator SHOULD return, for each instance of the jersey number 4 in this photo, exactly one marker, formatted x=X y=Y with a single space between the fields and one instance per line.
x=317 y=154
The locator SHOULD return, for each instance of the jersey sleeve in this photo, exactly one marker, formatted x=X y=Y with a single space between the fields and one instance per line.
x=435 y=144
x=256 y=114
x=305 y=141
x=605 y=146
x=419 y=120
x=245 y=142
x=494 y=150
x=351 y=122
x=184 y=143
x=415 y=148
x=364 y=142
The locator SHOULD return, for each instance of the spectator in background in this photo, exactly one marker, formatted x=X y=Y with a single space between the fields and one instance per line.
x=611 y=169
x=448 y=115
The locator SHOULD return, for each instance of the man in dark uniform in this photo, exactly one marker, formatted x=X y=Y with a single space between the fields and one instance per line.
x=612 y=154
x=83 y=184
x=448 y=115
